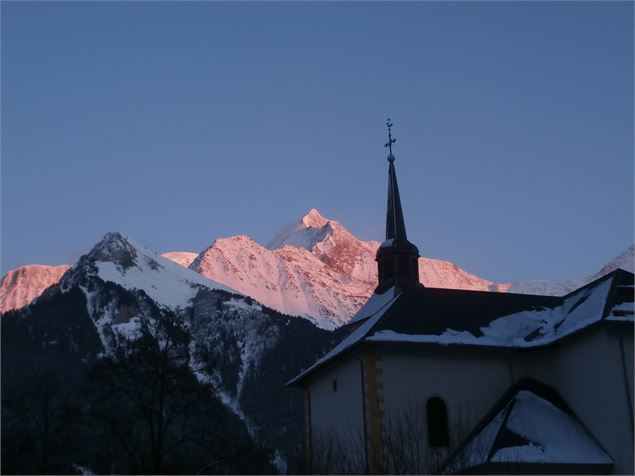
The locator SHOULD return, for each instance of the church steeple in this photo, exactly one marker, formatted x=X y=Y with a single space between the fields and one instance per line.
x=395 y=226
x=397 y=258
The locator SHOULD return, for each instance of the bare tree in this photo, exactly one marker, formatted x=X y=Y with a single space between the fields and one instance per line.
x=152 y=408
x=404 y=446
x=332 y=453
x=38 y=423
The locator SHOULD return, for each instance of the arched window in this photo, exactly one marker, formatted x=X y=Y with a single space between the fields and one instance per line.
x=437 y=415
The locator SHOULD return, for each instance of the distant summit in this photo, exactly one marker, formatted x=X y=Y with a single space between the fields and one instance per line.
x=624 y=260
x=22 y=285
x=184 y=258
x=315 y=268
x=303 y=233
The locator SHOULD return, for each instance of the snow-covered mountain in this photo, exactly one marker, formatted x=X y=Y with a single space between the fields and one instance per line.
x=625 y=261
x=20 y=286
x=314 y=268
x=120 y=260
x=245 y=351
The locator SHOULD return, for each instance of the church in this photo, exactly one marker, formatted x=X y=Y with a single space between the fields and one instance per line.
x=450 y=381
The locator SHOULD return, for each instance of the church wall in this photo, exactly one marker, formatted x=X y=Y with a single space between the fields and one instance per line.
x=468 y=381
x=627 y=344
x=587 y=370
x=336 y=414
x=592 y=370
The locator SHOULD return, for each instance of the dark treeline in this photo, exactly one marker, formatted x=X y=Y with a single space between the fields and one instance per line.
x=139 y=410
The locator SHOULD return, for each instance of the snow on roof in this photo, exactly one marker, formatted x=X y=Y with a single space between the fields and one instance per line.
x=354 y=337
x=522 y=329
x=375 y=303
x=531 y=429
x=623 y=308
x=553 y=436
x=469 y=317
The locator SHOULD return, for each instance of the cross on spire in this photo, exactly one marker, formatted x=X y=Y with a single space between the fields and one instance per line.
x=391 y=141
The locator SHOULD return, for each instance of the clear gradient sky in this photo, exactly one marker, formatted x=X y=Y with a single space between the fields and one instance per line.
x=177 y=123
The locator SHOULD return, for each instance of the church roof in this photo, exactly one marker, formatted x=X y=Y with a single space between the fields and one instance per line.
x=432 y=316
x=530 y=425
x=444 y=316
x=377 y=302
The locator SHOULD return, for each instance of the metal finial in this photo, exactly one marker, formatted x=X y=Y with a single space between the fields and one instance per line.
x=391 y=141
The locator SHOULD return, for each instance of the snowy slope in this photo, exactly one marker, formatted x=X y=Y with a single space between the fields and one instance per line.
x=120 y=260
x=291 y=280
x=20 y=286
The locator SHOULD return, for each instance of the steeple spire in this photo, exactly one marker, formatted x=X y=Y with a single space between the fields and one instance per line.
x=397 y=258
x=395 y=226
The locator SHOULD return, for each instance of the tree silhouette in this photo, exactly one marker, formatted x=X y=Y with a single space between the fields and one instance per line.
x=153 y=414
x=39 y=423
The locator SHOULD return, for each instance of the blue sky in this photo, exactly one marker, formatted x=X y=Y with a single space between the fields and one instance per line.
x=177 y=123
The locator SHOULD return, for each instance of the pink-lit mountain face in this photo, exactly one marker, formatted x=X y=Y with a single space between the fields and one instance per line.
x=22 y=285
x=184 y=258
x=317 y=269
x=313 y=268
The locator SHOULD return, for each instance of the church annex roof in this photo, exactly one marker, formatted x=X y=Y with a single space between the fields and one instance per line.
x=434 y=316
x=530 y=425
x=377 y=302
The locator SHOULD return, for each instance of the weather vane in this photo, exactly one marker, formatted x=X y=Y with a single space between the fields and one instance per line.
x=391 y=141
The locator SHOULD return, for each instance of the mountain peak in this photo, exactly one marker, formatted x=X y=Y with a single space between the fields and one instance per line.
x=115 y=247
x=314 y=219
x=304 y=233
x=121 y=260
x=112 y=237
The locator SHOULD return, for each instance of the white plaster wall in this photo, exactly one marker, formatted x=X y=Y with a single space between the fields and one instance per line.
x=469 y=382
x=337 y=414
x=587 y=371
